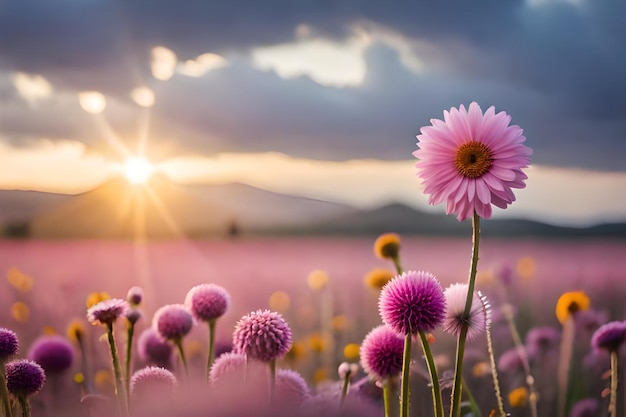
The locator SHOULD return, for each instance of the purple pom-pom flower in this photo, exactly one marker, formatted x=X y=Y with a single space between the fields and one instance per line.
x=24 y=377
x=153 y=349
x=412 y=302
x=207 y=301
x=173 y=321
x=8 y=343
x=152 y=380
x=381 y=353
x=53 y=353
x=609 y=336
x=263 y=335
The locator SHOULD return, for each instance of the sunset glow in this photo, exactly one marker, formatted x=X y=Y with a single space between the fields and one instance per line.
x=138 y=170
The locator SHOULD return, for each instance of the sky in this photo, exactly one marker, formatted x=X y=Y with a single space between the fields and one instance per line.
x=316 y=98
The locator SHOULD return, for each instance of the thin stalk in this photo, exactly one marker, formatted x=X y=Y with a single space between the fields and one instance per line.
x=473 y=404
x=272 y=381
x=530 y=380
x=396 y=263
x=613 y=399
x=120 y=390
x=181 y=352
x=566 y=351
x=4 y=392
x=24 y=405
x=211 y=347
x=344 y=388
x=455 y=408
x=129 y=352
x=432 y=371
x=494 y=372
x=387 y=397
x=406 y=368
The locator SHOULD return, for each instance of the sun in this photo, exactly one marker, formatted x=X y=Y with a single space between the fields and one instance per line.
x=138 y=170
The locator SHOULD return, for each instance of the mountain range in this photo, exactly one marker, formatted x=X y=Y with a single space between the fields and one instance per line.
x=164 y=209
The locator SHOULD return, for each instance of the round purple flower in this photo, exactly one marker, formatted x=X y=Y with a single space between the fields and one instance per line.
x=291 y=388
x=512 y=360
x=381 y=353
x=173 y=321
x=262 y=335
x=587 y=407
x=412 y=302
x=152 y=380
x=53 y=353
x=24 y=377
x=153 y=349
x=541 y=340
x=8 y=343
x=207 y=301
x=107 y=311
x=232 y=369
x=456 y=296
x=134 y=296
x=609 y=336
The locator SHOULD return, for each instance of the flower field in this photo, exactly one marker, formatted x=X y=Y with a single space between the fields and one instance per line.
x=318 y=285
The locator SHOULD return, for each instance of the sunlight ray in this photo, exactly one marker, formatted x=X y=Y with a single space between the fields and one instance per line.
x=163 y=213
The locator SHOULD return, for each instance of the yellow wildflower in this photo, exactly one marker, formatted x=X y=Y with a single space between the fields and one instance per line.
x=20 y=312
x=387 y=246
x=317 y=280
x=19 y=280
x=518 y=397
x=279 y=301
x=96 y=297
x=569 y=303
x=351 y=351
x=377 y=278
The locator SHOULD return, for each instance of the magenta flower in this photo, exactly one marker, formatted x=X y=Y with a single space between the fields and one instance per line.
x=8 y=343
x=207 y=301
x=456 y=296
x=609 y=336
x=291 y=388
x=53 y=353
x=263 y=335
x=381 y=353
x=24 y=377
x=232 y=369
x=173 y=321
x=152 y=380
x=542 y=340
x=412 y=302
x=107 y=311
x=153 y=349
x=471 y=160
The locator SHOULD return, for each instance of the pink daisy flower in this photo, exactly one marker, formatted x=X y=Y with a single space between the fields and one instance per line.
x=472 y=160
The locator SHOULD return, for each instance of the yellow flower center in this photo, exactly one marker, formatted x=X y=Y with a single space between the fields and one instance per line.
x=473 y=159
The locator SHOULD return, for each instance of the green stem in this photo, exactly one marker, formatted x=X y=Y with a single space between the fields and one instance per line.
x=396 y=262
x=120 y=391
x=24 y=405
x=129 y=352
x=211 y=347
x=344 y=388
x=181 y=352
x=613 y=399
x=455 y=408
x=473 y=404
x=387 y=397
x=406 y=370
x=4 y=392
x=432 y=371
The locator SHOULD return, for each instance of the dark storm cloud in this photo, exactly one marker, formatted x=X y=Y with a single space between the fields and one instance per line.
x=558 y=68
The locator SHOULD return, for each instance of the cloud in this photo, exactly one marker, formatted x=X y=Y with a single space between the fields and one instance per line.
x=556 y=67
